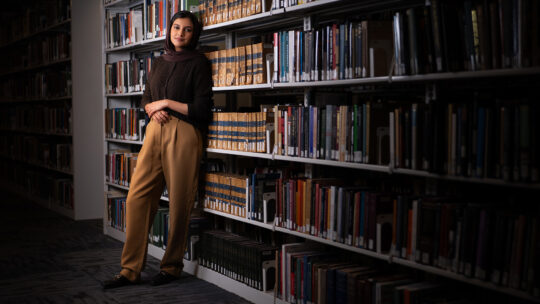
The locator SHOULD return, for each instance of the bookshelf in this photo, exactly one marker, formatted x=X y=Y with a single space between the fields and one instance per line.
x=307 y=17
x=43 y=97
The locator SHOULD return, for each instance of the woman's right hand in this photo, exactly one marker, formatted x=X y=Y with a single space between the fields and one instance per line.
x=160 y=117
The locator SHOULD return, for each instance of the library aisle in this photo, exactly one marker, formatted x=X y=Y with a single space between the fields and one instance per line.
x=48 y=258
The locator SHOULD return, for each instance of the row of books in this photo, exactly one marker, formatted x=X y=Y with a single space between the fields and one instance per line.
x=333 y=132
x=466 y=35
x=444 y=232
x=334 y=51
x=351 y=133
x=159 y=12
x=116 y=210
x=124 y=28
x=485 y=139
x=158 y=234
x=40 y=51
x=217 y=11
x=48 y=49
x=119 y=167
x=33 y=18
x=37 y=150
x=48 y=187
x=442 y=36
x=238 y=131
x=243 y=65
x=147 y=21
x=50 y=83
x=125 y=123
x=252 y=196
x=37 y=118
x=159 y=231
x=262 y=204
x=62 y=192
x=128 y=76
x=239 y=258
x=491 y=138
x=306 y=273
x=227 y=193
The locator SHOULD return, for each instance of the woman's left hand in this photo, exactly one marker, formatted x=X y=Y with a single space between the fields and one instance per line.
x=155 y=106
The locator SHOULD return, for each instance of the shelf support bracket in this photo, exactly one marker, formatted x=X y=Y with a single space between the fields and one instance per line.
x=431 y=92
x=308 y=23
x=308 y=92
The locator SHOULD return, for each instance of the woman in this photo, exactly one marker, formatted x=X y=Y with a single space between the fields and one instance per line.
x=178 y=99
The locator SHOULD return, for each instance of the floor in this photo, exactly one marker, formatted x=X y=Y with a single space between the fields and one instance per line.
x=47 y=258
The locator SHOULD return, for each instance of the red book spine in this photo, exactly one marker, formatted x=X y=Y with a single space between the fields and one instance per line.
x=161 y=29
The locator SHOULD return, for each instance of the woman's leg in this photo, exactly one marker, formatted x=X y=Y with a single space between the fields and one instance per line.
x=181 y=159
x=145 y=190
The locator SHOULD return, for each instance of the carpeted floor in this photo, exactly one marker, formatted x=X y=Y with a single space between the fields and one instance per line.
x=47 y=258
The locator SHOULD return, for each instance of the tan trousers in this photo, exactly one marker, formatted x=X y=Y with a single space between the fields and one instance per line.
x=170 y=154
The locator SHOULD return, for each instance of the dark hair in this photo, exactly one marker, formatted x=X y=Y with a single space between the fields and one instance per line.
x=197 y=29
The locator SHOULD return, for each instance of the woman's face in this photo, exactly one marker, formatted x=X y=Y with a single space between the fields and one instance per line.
x=181 y=33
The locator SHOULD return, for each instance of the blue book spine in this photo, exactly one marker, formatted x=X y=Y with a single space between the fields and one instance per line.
x=331 y=286
x=341 y=287
x=306 y=295
x=164 y=17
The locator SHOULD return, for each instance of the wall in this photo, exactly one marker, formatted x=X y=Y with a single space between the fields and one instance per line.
x=87 y=77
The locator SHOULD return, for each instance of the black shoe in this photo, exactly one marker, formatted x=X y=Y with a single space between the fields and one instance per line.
x=162 y=278
x=118 y=281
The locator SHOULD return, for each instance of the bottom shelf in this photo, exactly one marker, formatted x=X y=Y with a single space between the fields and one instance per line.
x=521 y=294
x=70 y=213
x=203 y=273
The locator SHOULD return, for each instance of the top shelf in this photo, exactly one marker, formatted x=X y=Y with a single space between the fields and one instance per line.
x=263 y=19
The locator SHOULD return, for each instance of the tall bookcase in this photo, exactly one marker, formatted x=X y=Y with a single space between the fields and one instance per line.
x=43 y=97
x=444 y=92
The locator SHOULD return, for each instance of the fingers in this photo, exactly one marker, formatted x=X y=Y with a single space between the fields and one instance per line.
x=161 y=117
x=151 y=109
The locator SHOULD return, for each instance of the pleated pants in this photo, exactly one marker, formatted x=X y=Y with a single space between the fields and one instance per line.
x=170 y=155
